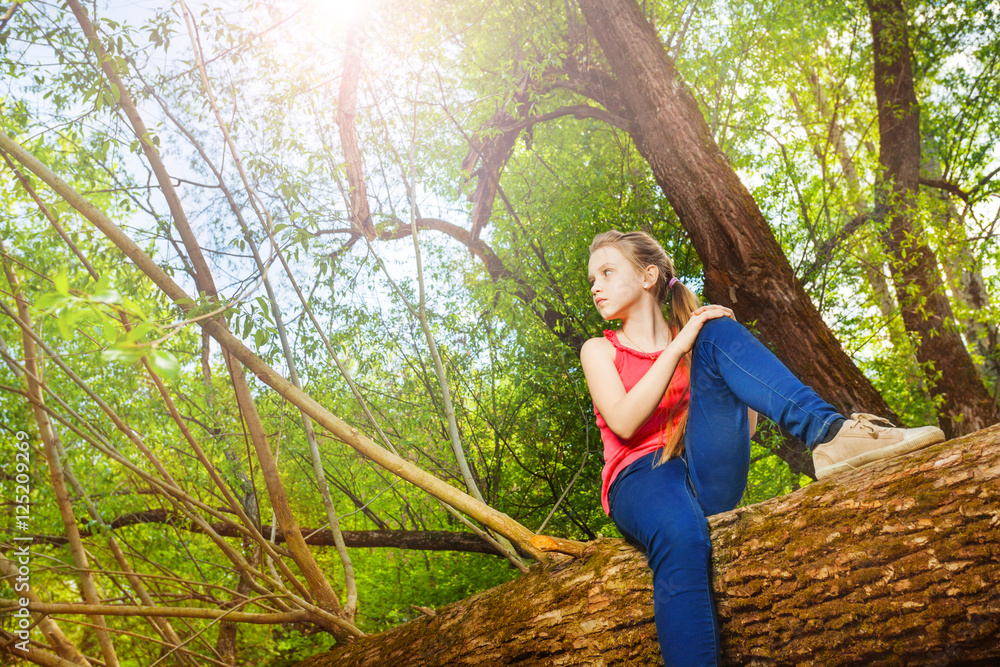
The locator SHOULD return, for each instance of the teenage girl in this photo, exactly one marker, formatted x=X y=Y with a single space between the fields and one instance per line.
x=676 y=405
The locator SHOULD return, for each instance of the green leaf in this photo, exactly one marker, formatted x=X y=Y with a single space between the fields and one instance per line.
x=61 y=282
x=107 y=296
x=133 y=307
x=65 y=323
x=124 y=352
x=165 y=364
x=49 y=300
x=265 y=307
x=138 y=332
x=110 y=332
x=103 y=282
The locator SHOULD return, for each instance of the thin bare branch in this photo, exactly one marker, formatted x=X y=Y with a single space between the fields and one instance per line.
x=171 y=612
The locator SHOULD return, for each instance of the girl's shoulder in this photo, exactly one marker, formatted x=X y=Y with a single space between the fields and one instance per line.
x=603 y=346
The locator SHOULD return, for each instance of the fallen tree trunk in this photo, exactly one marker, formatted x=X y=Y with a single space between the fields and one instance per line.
x=895 y=563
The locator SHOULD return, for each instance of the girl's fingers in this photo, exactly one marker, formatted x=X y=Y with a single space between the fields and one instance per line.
x=712 y=311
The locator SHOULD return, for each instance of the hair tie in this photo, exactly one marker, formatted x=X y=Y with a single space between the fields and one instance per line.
x=673 y=281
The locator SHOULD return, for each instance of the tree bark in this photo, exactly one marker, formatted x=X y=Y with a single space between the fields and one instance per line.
x=895 y=563
x=966 y=404
x=745 y=267
x=347 y=102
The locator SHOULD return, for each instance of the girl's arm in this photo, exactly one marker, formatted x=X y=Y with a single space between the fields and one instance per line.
x=624 y=411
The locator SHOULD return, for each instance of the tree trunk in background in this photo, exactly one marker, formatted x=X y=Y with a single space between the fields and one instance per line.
x=964 y=272
x=895 y=563
x=966 y=406
x=745 y=267
x=970 y=289
x=834 y=139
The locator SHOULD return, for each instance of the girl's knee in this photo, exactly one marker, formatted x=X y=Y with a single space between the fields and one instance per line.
x=722 y=501
x=721 y=326
x=682 y=543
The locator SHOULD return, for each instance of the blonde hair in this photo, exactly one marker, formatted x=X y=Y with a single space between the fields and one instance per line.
x=642 y=250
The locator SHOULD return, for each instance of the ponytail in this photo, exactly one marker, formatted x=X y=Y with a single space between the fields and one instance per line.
x=683 y=302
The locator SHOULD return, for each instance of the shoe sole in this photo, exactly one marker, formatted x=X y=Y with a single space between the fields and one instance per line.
x=915 y=442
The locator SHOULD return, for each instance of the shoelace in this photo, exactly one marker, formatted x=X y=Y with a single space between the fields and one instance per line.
x=868 y=421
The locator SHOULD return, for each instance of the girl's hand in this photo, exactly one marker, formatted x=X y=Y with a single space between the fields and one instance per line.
x=686 y=337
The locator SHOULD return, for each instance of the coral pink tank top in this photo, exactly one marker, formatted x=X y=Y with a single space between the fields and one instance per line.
x=618 y=453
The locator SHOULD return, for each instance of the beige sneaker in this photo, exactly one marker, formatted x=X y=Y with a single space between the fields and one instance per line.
x=861 y=440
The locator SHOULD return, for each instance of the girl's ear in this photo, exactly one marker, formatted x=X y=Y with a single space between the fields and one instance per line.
x=651 y=274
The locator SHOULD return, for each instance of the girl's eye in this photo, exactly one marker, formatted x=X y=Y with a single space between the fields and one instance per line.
x=607 y=271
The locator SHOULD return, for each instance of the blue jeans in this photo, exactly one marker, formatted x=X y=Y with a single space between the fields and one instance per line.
x=663 y=508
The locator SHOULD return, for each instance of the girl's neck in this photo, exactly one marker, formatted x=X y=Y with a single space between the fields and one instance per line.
x=646 y=329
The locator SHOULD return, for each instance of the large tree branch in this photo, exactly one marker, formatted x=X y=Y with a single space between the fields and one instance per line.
x=578 y=111
x=594 y=84
x=492 y=148
x=419 y=540
x=478 y=247
x=493 y=152
x=9 y=645
x=557 y=321
x=946 y=186
x=272 y=618
x=347 y=102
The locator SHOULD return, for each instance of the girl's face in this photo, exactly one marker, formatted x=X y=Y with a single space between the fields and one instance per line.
x=615 y=283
